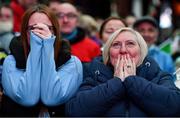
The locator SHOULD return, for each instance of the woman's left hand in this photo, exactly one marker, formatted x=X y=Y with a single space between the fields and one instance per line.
x=42 y=30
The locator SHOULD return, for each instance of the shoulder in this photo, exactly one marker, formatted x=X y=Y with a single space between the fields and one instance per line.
x=10 y=59
x=73 y=64
x=150 y=63
x=15 y=44
x=90 y=41
x=162 y=54
x=64 y=53
x=165 y=57
x=74 y=59
x=9 y=62
x=165 y=54
x=98 y=67
x=149 y=59
x=149 y=67
x=97 y=61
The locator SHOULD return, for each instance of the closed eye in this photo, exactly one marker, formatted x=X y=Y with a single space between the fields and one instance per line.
x=130 y=44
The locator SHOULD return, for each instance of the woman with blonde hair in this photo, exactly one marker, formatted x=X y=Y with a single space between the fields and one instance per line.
x=125 y=82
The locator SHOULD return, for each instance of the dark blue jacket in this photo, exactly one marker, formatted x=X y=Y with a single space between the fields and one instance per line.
x=150 y=93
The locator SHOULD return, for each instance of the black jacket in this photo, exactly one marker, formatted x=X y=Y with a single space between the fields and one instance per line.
x=150 y=93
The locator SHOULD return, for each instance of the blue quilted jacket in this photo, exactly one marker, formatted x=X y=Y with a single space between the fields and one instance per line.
x=150 y=93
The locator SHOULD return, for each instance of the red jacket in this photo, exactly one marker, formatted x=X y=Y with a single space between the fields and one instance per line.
x=18 y=12
x=85 y=49
x=82 y=46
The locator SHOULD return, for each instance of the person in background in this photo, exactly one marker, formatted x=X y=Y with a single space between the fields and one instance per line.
x=53 y=4
x=6 y=27
x=6 y=35
x=40 y=75
x=109 y=26
x=130 y=20
x=82 y=46
x=19 y=7
x=147 y=26
x=125 y=83
x=176 y=45
x=88 y=23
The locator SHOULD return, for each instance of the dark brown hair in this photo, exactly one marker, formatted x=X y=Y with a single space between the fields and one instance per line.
x=56 y=30
x=106 y=21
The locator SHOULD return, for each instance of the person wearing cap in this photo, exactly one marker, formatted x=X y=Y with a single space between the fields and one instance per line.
x=148 y=27
x=125 y=83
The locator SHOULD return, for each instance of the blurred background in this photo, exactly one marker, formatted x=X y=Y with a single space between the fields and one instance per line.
x=166 y=12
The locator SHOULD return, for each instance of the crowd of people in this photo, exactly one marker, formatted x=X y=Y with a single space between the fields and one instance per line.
x=57 y=61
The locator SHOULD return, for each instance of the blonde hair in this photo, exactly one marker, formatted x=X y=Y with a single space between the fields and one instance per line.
x=89 y=23
x=141 y=42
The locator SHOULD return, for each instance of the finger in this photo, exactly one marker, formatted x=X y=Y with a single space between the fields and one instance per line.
x=42 y=32
x=129 y=60
x=117 y=67
x=122 y=67
x=39 y=34
x=134 y=66
x=43 y=27
x=126 y=61
x=122 y=62
x=128 y=67
x=117 y=63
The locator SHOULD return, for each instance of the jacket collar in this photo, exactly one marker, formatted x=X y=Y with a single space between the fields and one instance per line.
x=77 y=35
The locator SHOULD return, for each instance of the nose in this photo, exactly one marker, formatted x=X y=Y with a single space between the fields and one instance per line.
x=123 y=50
x=65 y=18
x=145 y=33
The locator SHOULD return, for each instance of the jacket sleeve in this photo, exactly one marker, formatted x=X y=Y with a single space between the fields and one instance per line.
x=95 y=100
x=23 y=85
x=58 y=86
x=156 y=99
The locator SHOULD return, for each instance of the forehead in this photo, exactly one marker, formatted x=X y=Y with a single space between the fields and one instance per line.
x=66 y=8
x=126 y=36
x=114 y=24
x=146 y=25
x=39 y=18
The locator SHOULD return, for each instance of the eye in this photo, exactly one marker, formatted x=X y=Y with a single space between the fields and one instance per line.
x=108 y=31
x=151 y=30
x=116 y=45
x=71 y=15
x=130 y=44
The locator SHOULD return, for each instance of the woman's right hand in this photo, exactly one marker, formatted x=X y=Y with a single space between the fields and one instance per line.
x=118 y=69
x=42 y=30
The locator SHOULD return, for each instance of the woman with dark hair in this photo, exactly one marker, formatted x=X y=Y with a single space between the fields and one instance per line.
x=109 y=26
x=36 y=74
